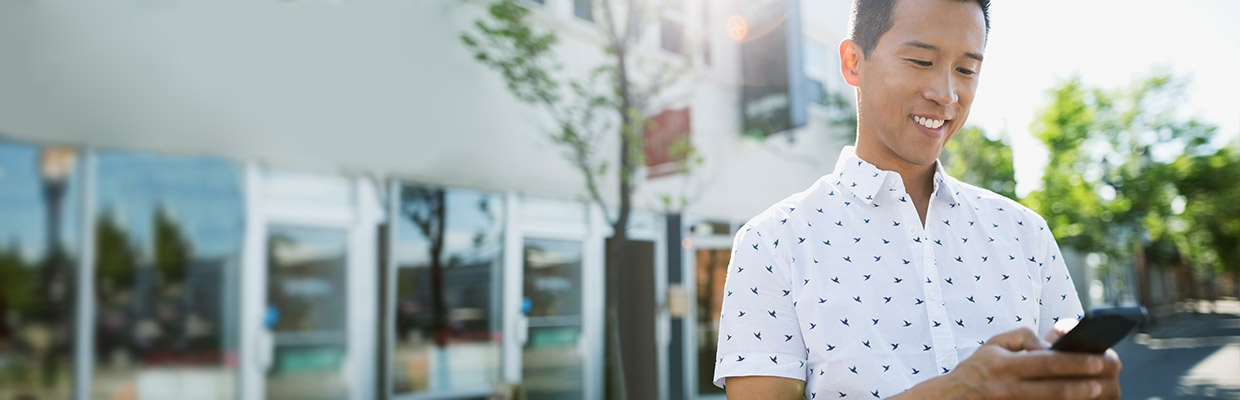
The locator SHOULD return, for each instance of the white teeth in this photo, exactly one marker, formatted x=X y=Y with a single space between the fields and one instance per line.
x=929 y=123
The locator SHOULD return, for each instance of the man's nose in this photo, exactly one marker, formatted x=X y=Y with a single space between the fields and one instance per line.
x=941 y=89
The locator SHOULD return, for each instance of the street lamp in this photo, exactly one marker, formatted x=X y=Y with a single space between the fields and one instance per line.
x=55 y=168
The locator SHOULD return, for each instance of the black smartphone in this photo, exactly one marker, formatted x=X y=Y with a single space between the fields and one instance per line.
x=1101 y=329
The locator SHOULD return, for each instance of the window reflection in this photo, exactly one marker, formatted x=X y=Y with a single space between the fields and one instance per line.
x=38 y=222
x=551 y=364
x=306 y=310
x=712 y=268
x=167 y=236
x=448 y=254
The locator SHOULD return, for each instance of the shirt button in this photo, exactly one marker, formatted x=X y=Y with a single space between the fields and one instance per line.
x=912 y=231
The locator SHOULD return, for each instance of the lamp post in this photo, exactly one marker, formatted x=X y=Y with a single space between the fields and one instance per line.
x=55 y=168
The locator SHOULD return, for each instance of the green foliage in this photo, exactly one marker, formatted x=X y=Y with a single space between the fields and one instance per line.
x=1072 y=207
x=17 y=282
x=842 y=114
x=1125 y=171
x=523 y=56
x=972 y=157
x=115 y=255
x=1210 y=222
x=172 y=250
x=613 y=98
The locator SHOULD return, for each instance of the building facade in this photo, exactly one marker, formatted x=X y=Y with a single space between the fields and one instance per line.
x=330 y=199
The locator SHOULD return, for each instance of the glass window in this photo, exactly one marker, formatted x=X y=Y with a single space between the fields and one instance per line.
x=817 y=60
x=584 y=9
x=448 y=256
x=816 y=92
x=38 y=251
x=672 y=35
x=712 y=269
x=551 y=363
x=168 y=236
x=708 y=33
x=306 y=312
x=635 y=29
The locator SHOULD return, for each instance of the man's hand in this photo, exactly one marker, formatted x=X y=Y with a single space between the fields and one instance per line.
x=1017 y=365
x=764 y=387
x=1110 y=376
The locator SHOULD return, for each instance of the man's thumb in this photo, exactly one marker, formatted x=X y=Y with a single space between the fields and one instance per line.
x=1017 y=340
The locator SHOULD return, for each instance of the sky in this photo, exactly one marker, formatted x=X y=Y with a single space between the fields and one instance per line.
x=1108 y=43
x=203 y=195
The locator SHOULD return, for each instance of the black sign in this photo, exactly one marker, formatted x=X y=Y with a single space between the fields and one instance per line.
x=773 y=89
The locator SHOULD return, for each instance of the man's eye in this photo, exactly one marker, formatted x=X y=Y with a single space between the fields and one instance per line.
x=921 y=63
x=965 y=71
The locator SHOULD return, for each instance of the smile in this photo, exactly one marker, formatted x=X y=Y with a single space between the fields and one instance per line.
x=929 y=123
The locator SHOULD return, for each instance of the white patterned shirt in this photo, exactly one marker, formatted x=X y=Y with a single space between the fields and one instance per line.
x=841 y=286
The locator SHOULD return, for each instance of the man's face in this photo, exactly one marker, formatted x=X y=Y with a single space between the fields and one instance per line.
x=918 y=83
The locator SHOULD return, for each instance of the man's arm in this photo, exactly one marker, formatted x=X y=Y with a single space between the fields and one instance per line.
x=764 y=388
x=759 y=333
x=1017 y=365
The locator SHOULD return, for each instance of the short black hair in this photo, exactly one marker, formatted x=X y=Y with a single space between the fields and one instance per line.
x=872 y=18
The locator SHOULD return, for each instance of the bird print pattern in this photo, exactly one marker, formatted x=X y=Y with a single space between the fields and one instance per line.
x=866 y=301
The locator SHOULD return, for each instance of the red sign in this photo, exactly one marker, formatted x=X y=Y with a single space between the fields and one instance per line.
x=667 y=142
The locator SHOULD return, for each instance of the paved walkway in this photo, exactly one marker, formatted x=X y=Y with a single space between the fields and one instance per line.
x=1188 y=355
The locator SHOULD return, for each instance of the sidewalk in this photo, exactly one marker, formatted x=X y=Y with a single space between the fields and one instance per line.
x=1192 y=354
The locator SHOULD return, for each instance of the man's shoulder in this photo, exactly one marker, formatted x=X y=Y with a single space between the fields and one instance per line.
x=989 y=201
x=790 y=208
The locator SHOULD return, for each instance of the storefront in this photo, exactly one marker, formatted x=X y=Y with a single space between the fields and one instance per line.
x=321 y=210
x=133 y=275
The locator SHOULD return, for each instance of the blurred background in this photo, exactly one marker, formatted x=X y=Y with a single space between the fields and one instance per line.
x=459 y=199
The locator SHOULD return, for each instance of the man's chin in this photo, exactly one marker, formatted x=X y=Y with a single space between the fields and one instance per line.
x=921 y=157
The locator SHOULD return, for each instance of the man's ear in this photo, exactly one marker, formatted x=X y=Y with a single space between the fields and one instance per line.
x=850 y=62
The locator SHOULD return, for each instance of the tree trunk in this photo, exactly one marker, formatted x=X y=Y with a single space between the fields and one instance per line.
x=618 y=253
x=616 y=256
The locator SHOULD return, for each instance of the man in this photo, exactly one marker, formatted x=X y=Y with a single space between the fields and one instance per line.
x=888 y=278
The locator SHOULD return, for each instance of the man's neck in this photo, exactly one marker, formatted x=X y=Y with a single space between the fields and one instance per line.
x=918 y=179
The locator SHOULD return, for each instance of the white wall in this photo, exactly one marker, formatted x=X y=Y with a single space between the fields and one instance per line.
x=363 y=86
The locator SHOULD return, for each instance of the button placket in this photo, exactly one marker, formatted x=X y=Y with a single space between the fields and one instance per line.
x=944 y=341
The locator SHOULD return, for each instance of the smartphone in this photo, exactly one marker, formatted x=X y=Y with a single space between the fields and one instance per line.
x=1101 y=329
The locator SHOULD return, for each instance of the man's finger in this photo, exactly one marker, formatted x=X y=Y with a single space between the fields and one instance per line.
x=1060 y=328
x=1111 y=363
x=1049 y=364
x=1017 y=340
x=1056 y=389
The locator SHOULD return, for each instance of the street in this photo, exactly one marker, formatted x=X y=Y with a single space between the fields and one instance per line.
x=1188 y=355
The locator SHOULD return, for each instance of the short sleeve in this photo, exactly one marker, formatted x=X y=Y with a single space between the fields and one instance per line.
x=758 y=330
x=1059 y=298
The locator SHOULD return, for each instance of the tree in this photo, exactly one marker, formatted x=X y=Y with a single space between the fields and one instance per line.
x=116 y=257
x=1209 y=225
x=173 y=251
x=426 y=208
x=972 y=157
x=1113 y=177
x=17 y=292
x=615 y=98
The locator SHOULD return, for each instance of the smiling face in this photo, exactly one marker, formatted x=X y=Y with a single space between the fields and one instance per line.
x=917 y=84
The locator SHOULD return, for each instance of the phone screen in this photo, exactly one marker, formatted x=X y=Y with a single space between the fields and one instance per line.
x=1100 y=330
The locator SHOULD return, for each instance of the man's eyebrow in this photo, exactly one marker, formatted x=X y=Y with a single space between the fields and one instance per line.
x=928 y=46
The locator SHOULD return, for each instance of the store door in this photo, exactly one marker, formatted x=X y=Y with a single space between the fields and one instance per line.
x=554 y=286
x=310 y=288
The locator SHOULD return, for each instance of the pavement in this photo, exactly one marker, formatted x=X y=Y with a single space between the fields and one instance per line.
x=1191 y=354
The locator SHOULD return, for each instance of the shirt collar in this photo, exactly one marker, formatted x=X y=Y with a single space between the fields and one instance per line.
x=865 y=180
